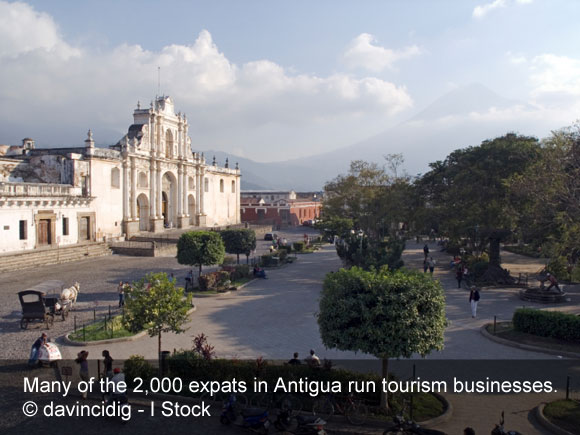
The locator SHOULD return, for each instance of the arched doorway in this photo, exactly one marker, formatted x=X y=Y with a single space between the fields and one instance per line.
x=169 y=200
x=143 y=210
x=191 y=209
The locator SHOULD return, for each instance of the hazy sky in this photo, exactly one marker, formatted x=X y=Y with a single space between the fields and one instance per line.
x=271 y=80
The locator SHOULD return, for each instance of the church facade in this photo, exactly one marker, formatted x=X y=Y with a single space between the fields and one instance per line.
x=149 y=181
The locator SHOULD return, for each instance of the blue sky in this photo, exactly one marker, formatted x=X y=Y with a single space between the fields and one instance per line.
x=272 y=80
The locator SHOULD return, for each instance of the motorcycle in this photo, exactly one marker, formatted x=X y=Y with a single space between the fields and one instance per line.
x=402 y=426
x=255 y=419
x=300 y=424
x=499 y=429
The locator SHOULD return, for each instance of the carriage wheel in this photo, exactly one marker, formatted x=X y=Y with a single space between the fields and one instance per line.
x=49 y=320
x=23 y=323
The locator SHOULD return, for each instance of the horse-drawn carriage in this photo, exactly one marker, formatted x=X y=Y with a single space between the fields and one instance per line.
x=37 y=306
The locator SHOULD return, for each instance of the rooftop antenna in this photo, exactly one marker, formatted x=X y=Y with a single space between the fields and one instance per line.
x=158 y=81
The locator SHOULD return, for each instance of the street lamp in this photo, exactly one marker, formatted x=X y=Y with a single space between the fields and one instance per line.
x=361 y=234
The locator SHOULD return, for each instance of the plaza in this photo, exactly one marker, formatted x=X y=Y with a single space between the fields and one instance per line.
x=275 y=317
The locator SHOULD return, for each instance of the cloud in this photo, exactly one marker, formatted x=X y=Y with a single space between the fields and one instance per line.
x=57 y=91
x=362 y=52
x=555 y=81
x=481 y=11
x=516 y=58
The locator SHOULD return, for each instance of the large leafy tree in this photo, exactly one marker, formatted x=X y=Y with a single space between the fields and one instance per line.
x=383 y=313
x=546 y=197
x=239 y=241
x=200 y=248
x=156 y=305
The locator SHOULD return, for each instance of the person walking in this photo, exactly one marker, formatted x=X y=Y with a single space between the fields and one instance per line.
x=431 y=264
x=84 y=368
x=553 y=283
x=121 y=291
x=425 y=265
x=459 y=275
x=107 y=364
x=426 y=250
x=473 y=300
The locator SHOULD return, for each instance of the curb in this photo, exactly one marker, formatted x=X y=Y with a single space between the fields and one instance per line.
x=529 y=347
x=68 y=341
x=372 y=425
x=197 y=296
x=547 y=424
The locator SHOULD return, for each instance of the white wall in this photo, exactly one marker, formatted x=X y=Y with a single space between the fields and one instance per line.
x=108 y=202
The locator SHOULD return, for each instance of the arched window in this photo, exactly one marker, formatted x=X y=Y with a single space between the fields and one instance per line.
x=222 y=185
x=190 y=183
x=233 y=186
x=115 y=178
x=205 y=185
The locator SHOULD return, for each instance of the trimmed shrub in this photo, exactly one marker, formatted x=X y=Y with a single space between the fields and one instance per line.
x=268 y=260
x=137 y=367
x=287 y=248
x=241 y=271
x=229 y=260
x=298 y=246
x=223 y=277
x=553 y=324
x=207 y=281
x=282 y=254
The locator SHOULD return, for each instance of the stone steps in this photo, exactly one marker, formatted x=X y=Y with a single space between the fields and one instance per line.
x=43 y=257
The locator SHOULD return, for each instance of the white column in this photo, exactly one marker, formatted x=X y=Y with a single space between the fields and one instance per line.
x=202 y=190
x=197 y=190
x=126 y=188
x=152 y=190
x=159 y=190
x=133 y=189
x=179 y=190
x=184 y=200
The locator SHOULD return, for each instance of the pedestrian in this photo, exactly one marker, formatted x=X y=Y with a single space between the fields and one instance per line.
x=40 y=341
x=107 y=364
x=294 y=361
x=473 y=300
x=426 y=250
x=431 y=264
x=466 y=276
x=312 y=360
x=459 y=275
x=84 y=369
x=121 y=291
x=425 y=265
x=553 y=282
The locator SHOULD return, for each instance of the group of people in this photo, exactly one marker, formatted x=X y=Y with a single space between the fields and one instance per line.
x=114 y=375
x=311 y=360
x=461 y=274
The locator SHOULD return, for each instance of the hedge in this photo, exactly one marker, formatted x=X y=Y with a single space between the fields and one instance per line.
x=553 y=324
x=298 y=246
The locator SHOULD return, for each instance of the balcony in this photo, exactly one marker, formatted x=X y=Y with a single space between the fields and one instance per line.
x=8 y=189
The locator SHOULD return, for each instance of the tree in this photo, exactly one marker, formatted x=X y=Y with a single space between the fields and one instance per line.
x=383 y=313
x=239 y=241
x=200 y=248
x=156 y=305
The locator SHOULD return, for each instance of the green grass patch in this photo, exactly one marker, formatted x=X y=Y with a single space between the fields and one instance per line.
x=506 y=331
x=101 y=330
x=564 y=413
x=241 y=281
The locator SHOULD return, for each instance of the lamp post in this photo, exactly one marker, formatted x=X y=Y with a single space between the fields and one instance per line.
x=361 y=234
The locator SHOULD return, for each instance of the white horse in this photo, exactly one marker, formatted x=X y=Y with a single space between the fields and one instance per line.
x=70 y=294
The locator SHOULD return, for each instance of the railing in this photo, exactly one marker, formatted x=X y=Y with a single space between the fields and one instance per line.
x=38 y=189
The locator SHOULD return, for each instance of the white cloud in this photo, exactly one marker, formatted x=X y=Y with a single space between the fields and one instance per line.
x=516 y=58
x=363 y=52
x=553 y=74
x=58 y=91
x=481 y=11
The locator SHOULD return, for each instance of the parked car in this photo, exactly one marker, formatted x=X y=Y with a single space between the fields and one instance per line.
x=271 y=236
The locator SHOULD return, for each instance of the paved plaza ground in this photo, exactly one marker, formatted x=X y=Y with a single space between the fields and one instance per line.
x=275 y=317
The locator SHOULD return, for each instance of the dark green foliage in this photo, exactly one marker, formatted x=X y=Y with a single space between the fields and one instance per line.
x=137 y=367
x=239 y=241
x=241 y=271
x=287 y=248
x=383 y=313
x=366 y=254
x=201 y=248
x=298 y=246
x=552 y=324
x=207 y=281
x=559 y=268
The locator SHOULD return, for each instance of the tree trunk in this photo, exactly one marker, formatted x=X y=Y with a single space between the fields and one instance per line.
x=494 y=257
x=385 y=375
x=199 y=270
x=238 y=258
x=159 y=345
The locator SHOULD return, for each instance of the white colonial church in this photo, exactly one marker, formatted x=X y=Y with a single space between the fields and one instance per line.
x=149 y=181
